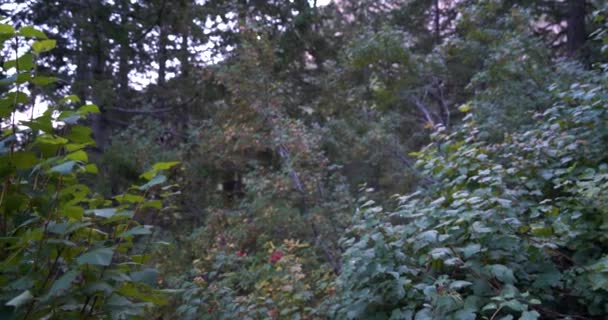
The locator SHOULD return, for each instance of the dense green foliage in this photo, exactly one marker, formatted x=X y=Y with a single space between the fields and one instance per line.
x=395 y=159
x=510 y=229
x=67 y=252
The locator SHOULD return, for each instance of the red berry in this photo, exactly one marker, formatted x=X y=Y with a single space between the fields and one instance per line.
x=276 y=256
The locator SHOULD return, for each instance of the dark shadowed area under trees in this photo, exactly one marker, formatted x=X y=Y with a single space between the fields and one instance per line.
x=304 y=159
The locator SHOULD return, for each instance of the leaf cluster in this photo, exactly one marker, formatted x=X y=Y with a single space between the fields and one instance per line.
x=67 y=252
x=510 y=230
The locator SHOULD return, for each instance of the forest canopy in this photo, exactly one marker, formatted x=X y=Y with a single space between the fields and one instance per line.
x=345 y=159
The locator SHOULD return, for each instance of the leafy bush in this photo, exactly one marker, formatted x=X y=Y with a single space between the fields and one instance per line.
x=508 y=230
x=283 y=282
x=66 y=253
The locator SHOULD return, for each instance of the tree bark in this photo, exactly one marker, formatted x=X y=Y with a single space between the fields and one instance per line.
x=97 y=57
x=437 y=25
x=576 y=33
x=89 y=72
x=82 y=77
x=162 y=54
x=124 y=66
x=184 y=53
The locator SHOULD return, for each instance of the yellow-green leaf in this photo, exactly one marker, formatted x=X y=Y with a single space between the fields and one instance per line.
x=44 y=45
x=24 y=160
x=31 y=32
x=78 y=156
x=465 y=108
x=6 y=29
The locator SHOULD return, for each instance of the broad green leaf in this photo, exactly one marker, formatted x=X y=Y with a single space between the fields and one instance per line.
x=89 y=108
x=24 y=298
x=73 y=212
x=164 y=165
x=5 y=112
x=105 y=213
x=142 y=258
x=459 y=284
x=43 y=81
x=147 y=276
x=64 y=168
x=61 y=285
x=117 y=276
x=57 y=228
x=470 y=250
x=24 y=159
x=424 y=314
x=5 y=102
x=158 y=167
x=111 y=214
x=91 y=168
x=44 y=45
x=25 y=62
x=71 y=147
x=548 y=278
x=62 y=242
x=43 y=123
x=465 y=108
x=99 y=257
x=502 y=273
x=50 y=139
x=465 y=314
x=28 y=222
x=14 y=202
x=80 y=134
x=490 y=306
x=129 y=198
x=513 y=305
x=156 y=204
x=7 y=82
x=142 y=292
x=5 y=37
x=31 y=32
x=148 y=175
x=98 y=286
x=69 y=117
x=6 y=29
x=19 y=97
x=479 y=227
x=23 y=283
x=118 y=301
x=399 y=314
x=542 y=232
x=139 y=230
x=23 y=77
x=78 y=156
x=65 y=228
x=124 y=215
x=529 y=315
x=160 y=179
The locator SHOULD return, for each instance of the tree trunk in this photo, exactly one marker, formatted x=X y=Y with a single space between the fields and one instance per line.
x=97 y=57
x=437 y=21
x=89 y=72
x=184 y=54
x=82 y=77
x=124 y=66
x=576 y=33
x=162 y=54
x=242 y=15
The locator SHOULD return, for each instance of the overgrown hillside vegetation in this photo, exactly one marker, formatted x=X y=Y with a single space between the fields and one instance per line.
x=395 y=159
